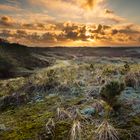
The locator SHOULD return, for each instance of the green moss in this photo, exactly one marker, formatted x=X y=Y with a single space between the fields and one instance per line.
x=26 y=122
x=135 y=121
x=7 y=87
x=62 y=130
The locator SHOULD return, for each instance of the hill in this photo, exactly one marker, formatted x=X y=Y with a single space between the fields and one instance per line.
x=19 y=60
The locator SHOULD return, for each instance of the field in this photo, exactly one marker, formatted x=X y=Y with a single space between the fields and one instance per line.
x=69 y=93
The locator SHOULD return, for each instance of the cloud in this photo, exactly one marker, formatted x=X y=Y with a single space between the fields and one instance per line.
x=13 y=23
x=65 y=22
x=73 y=10
x=114 y=31
x=7 y=21
x=107 y=11
x=67 y=33
x=21 y=34
x=99 y=29
x=74 y=31
x=90 y=4
x=129 y=29
x=5 y=34
x=4 y=7
x=116 y=34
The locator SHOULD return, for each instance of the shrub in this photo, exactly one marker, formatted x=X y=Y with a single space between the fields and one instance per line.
x=132 y=79
x=125 y=69
x=92 y=67
x=110 y=92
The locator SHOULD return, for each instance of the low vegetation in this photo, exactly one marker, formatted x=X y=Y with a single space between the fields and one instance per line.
x=110 y=92
x=74 y=99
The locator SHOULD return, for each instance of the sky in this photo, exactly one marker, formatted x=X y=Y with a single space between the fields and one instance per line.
x=71 y=22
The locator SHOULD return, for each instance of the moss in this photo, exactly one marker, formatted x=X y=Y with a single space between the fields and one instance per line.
x=73 y=101
x=109 y=70
x=7 y=87
x=62 y=130
x=28 y=126
x=135 y=121
x=28 y=121
x=125 y=136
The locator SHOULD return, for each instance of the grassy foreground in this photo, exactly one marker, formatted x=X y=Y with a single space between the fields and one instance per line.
x=80 y=99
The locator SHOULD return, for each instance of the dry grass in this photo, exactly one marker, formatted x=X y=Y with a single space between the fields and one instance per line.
x=50 y=126
x=76 y=130
x=63 y=114
x=106 y=131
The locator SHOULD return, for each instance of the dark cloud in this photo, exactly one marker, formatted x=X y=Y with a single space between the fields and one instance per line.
x=114 y=31
x=129 y=30
x=72 y=32
x=100 y=29
x=5 y=33
x=51 y=37
x=125 y=30
x=28 y=25
x=107 y=11
x=35 y=26
x=105 y=27
x=6 y=21
x=10 y=22
x=21 y=34
x=75 y=32
x=103 y=38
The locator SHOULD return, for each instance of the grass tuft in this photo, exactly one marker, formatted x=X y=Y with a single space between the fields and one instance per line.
x=106 y=131
x=50 y=126
x=76 y=130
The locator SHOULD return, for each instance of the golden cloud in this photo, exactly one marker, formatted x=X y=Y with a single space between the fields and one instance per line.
x=91 y=34
x=7 y=21
x=90 y=4
x=52 y=32
x=4 y=7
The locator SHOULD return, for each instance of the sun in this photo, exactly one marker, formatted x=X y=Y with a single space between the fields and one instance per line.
x=91 y=40
x=88 y=33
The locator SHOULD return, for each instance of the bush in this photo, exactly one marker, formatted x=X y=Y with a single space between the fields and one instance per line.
x=109 y=71
x=132 y=79
x=110 y=92
x=125 y=69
